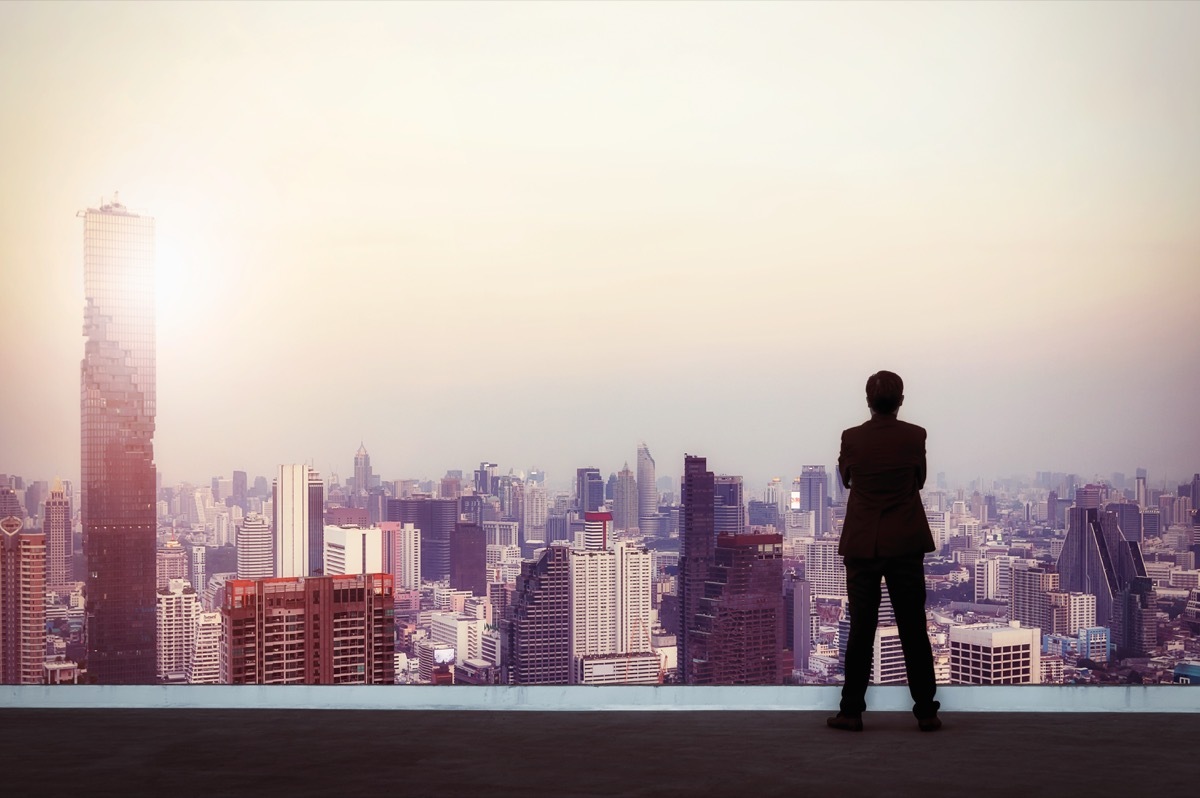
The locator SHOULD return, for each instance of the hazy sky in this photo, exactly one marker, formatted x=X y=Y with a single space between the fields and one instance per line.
x=538 y=233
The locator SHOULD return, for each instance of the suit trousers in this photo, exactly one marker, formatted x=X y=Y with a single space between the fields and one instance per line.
x=905 y=577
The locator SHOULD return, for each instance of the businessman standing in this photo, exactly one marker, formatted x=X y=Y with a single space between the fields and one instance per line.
x=885 y=538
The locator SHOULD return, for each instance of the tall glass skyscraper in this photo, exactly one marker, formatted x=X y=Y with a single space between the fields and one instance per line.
x=117 y=444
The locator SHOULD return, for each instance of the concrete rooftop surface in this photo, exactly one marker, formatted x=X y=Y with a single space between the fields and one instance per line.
x=449 y=753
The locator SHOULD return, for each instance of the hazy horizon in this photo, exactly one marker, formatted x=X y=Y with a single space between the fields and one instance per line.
x=537 y=234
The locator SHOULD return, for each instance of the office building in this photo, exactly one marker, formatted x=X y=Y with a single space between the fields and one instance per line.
x=435 y=518
x=992 y=654
x=198 y=567
x=625 y=501
x=468 y=559
x=314 y=630
x=589 y=490
x=647 y=493
x=739 y=628
x=56 y=525
x=536 y=635
x=1029 y=602
x=117 y=444
x=362 y=476
x=22 y=603
x=729 y=512
x=697 y=546
x=176 y=608
x=813 y=487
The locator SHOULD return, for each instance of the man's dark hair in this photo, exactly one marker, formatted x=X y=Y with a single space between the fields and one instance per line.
x=885 y=392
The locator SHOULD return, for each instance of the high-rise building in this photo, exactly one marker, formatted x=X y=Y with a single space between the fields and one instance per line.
x=353 y=550
x=402 y=546
x=56 y=524
x=316 y=524
x=176 y=608
x=990 y=654
x=729 y=512
x=362 y=476
x=738 y=631
x=813 y=487
x=502 y=533
x=535 y=512
x=197 y=567
x=697 y=545
x=314 y=630
x=1086 y=565
x=170 y=562
x=825 y=569
x=625 y=501
x=536 y=634
x=647 y=493
x=204 y=664
x=468 y=558
x=1029 y=602
x=297 y=520
x=589 y=489
x=239 y=490
x=117 y=444
x=255 y=548
x=22 y=603
x=435 y=518
x=597 y=530
x=592 y=601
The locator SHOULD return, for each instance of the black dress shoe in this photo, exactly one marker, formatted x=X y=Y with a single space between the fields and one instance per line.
x=845 y=722
x=930 y=724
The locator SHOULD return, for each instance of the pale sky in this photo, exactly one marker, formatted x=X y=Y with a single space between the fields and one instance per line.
x=537 y=233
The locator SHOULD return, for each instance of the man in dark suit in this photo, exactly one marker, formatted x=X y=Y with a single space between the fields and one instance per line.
x=885 y=538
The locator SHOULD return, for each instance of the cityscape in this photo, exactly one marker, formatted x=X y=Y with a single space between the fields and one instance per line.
x=492 y=575
x=511 y=347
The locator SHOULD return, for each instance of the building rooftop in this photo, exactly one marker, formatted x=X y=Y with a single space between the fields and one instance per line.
x=301 y=752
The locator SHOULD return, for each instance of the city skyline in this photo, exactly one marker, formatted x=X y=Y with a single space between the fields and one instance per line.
x=590 y=217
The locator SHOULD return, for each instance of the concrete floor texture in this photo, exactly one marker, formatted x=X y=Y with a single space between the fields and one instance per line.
x=296 y=752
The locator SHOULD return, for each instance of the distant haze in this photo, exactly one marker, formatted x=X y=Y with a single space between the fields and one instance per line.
x=539 y=233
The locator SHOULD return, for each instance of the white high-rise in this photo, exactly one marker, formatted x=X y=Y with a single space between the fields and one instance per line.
x=176 y=606
x=353 y=550
x=404 y=541
x=635 y=580
x=535 y=512
x=255 y=550
x=204 y=664
x=647 y=492
x=290 y=509
x=825 y=570
x=592 y=602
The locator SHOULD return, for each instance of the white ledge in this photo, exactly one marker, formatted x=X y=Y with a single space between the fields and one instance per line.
x=1033 y=698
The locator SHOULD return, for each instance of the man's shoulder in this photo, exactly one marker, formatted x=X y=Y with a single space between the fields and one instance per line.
x=911 y=429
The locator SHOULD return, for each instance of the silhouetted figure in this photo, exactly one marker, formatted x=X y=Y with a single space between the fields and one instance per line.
x=885 y=537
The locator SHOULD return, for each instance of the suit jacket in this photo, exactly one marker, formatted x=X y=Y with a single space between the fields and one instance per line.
x=882 y=462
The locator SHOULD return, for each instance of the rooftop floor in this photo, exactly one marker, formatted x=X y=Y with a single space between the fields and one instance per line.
x=450 y=753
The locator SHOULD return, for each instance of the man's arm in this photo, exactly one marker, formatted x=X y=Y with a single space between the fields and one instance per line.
x=843 y=465
x=923 y=467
